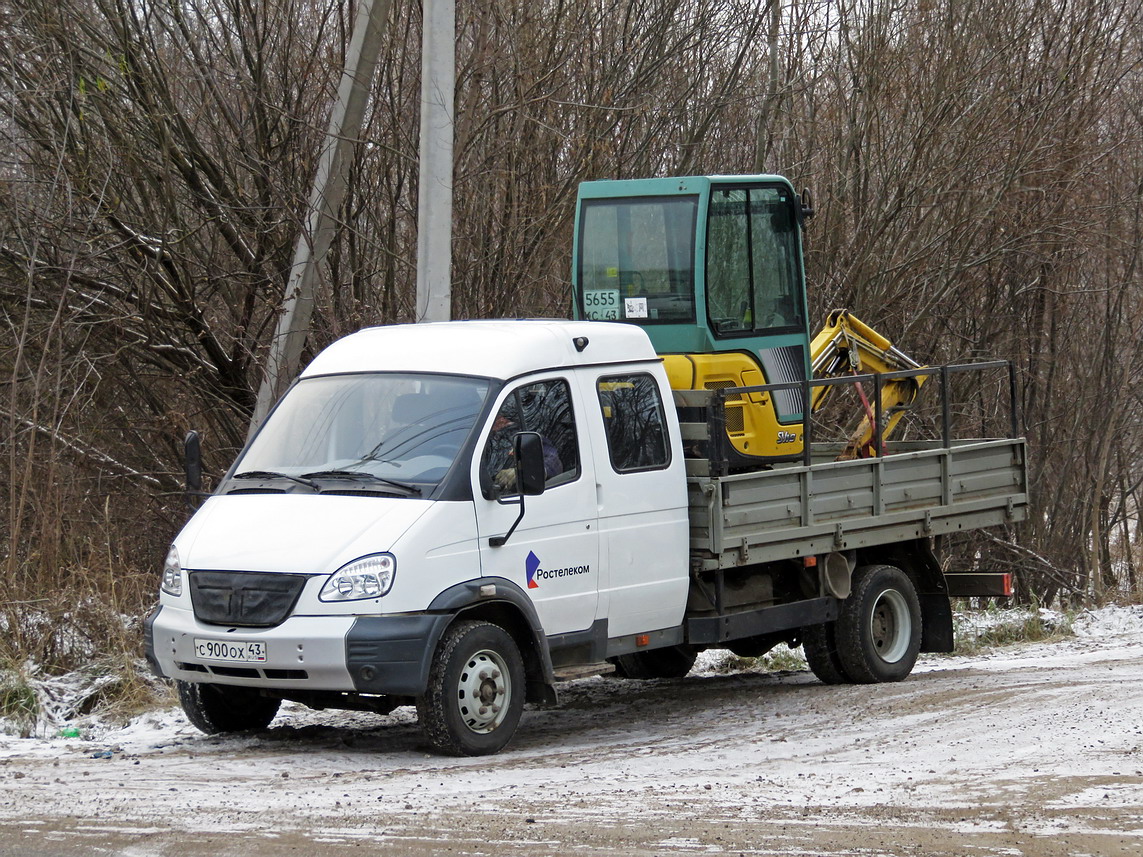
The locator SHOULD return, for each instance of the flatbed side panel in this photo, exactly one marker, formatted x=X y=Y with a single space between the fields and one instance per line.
x=839 y=493
x=794 y=511
x=911 y=482
x=775 y=503
x=803 y=541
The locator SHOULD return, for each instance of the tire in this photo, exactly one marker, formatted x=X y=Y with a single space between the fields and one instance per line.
x=668 y=662
x=476 y=690
x=215 y=708
x=879 y=630
x=819 y=644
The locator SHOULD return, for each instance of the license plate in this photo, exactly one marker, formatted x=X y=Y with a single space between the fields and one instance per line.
x=601 y=304
x=242 y=652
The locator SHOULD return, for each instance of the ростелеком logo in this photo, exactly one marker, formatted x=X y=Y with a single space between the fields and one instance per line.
x=531 y=565
x=535 y=573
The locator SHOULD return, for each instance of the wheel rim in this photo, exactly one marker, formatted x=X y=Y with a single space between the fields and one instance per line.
x=484 y=691
x=890 y=626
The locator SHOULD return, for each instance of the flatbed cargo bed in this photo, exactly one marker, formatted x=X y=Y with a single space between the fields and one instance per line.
x=794 y=510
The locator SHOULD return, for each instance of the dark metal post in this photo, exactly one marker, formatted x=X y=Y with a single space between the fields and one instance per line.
x=716 y=423
x=946 y=413
x=877 y=446
x=192 y=466
x=1013 y=414
x=807 y=423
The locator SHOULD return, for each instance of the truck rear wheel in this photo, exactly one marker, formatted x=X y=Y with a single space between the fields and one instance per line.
x=216 y=708
x=879 y=629
x=819 y=643
x=668 y=662
x=476 y=690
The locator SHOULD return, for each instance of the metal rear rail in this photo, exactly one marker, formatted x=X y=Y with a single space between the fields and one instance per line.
x=714 y=456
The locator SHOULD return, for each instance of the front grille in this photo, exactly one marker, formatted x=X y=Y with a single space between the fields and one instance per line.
x=244 y=672
x=244 y=598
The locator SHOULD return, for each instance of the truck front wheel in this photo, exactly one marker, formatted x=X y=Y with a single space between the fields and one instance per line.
x=215 y=708
x=879 y=630
x=475 y=694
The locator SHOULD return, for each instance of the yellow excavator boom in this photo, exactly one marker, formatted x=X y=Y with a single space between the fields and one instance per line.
x=847 y=346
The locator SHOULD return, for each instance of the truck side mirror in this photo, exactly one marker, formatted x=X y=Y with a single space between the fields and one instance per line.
x=530 y=474
x=528 y=450
x=192 y=467
x=192 y=462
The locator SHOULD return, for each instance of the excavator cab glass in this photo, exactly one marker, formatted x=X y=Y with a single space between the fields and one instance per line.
x=706 y=264
x=753 y=274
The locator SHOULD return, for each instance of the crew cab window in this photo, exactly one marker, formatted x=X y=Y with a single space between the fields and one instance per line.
x=633 y=418
x=545 y=408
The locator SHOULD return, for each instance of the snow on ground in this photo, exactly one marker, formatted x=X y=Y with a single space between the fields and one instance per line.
x=1117 y=629
x=1006 y=751
x=1113 y=621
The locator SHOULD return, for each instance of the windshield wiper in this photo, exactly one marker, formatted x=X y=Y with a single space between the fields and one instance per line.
x=270 y=474
x=412 y=490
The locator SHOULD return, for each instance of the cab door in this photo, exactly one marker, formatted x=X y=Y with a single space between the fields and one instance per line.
x=641 y=499
x=553 y=554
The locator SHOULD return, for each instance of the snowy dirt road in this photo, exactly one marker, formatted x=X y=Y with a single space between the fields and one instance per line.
x=1035 y=750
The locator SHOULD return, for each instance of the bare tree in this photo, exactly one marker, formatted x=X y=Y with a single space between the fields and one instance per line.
x=976 y=167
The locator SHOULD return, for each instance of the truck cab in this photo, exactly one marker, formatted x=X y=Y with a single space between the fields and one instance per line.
x=381 y=502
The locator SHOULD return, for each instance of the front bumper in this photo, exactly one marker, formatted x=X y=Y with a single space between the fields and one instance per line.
x=355 y=654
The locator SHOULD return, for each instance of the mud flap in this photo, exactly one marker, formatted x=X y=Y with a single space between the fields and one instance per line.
x=936 y=623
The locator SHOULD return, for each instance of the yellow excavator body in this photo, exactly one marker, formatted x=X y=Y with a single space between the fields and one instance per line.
x=844 y=346
x=751 y=419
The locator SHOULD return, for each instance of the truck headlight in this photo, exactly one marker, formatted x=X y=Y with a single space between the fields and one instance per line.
x=368 y=577
x=172 y=573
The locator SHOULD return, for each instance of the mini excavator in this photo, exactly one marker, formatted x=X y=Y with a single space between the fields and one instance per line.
x=711 y=267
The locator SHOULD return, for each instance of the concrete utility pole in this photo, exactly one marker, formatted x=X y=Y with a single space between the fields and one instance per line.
x=328 y=191
x=434 y=207
x=434 y=216
x=768 y=116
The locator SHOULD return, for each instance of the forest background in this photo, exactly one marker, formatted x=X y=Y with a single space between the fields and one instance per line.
x=977 y=169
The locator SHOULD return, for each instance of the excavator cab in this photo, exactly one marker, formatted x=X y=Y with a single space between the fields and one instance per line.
x=711 y=268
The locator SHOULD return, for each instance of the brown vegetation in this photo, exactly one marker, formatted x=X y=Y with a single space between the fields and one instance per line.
x=977 y=168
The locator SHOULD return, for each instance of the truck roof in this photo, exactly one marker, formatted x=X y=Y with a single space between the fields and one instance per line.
x=492 y=349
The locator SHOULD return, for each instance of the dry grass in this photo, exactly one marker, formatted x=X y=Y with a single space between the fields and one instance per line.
x=978 y=631
x=779 y=659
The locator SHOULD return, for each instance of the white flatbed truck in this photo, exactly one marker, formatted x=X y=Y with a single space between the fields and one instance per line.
x=448 y=514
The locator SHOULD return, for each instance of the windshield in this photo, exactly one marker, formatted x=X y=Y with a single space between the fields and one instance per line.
x=399 y=427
